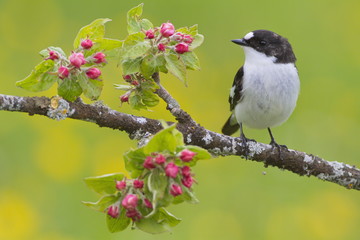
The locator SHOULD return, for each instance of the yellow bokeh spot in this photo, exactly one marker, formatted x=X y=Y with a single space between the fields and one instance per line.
x=108 y=157
x=216 y=224
x=18 y=220
x=328 y=216
x=60 y=153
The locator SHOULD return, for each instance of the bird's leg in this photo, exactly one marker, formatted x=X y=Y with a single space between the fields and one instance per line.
x=244 y=141
x=274 y=144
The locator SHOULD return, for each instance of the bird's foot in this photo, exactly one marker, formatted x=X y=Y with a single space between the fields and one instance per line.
x=244 y=141
x=278 y=147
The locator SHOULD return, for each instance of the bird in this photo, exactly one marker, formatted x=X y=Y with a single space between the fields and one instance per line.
x=266 y=88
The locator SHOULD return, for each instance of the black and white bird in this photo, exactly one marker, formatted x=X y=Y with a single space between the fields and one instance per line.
x=266 y=87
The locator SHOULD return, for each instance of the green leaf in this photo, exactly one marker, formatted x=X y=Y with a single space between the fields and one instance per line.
x=149 y=98
x=152 y=64
x=157 y=183
x=198 y=40
x=107 y=44
x=136 y=103
x=103 y=203
x=133 y=17
x=176 y=66
x=191 y=60
x=146 y=24
x=104 y=184
x=45 y=52
x=167 y=139
x=123 y=87
x=95 y=31
x=201 y=153
x=91 y=87
x=39 y=79
x=134 y=160
x=118 y=224
x=193 y=30
x=69 y=89
x=135 y=45
x=160 y=222
x=131 y=66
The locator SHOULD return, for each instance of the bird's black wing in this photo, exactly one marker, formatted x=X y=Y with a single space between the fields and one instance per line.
x=231 y=125
x=237 y=87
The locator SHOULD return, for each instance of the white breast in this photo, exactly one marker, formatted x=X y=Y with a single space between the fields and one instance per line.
x=270 y=91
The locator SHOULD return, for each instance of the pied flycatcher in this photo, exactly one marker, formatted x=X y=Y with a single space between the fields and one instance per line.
x=266 y=88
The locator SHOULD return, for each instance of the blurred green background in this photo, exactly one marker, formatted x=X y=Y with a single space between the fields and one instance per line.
x=42 y=162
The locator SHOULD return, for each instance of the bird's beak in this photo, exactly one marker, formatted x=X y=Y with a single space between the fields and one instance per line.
x=241 y=42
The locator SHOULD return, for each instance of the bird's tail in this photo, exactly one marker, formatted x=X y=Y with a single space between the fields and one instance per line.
x=231 y=126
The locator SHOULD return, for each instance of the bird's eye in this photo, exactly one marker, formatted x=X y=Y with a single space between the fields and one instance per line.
x=262 y=42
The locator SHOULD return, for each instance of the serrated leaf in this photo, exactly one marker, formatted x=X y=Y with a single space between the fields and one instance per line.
x=193 y=30
x=134 y=160
x=123 y=87
x=149 y=98
x=39 y=78
x=176 y=66
x=198 y=40
x=104 y=184
x=135 y=45
x=118 y=224
x=131 y=66
x=133 y=17
x=157 y=184
x=146 y=24
x=136 y=103
x=167 y=139
x=91 y=87
x=69 y=89
x=45 y=52
x=191 y=61
x=95 y=31
x=160 y=222
x=152 y=64
x=103 y=203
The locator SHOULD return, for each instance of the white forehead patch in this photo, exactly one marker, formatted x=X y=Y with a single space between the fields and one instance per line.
x=249 y=35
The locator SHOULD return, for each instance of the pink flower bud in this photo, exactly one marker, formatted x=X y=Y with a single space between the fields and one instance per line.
x=186 y=171
x=177 y=37
x=181 y=48
x=149 y=163
x=93 y=73
x=120 y=185
x=124 y=98
x=171 y=170
x=63 y=72
x=77 y=59
x=188 y=39
x=160 y=159
x=99 y=57
x=167 y=29
x=53 y=55
x=133 y=214
x=147 y=203
x=87 y=43
x=187 y=181
x=150 y=34
x=135 y=83
x=113 y=211
x=130 y=201
x=175 y=190
x=187 y=155
x=161 y=47
x=138 y=183
x=127 y=77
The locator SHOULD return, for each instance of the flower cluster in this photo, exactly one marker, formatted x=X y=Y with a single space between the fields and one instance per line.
x=166 y=37
x=135 y=196
x=77 y=63
x=179 y=175
x=133 y=200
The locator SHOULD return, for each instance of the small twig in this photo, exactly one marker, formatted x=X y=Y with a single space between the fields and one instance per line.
x=172 y=105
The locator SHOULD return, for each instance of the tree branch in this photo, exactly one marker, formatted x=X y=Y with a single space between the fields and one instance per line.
x=220 y=145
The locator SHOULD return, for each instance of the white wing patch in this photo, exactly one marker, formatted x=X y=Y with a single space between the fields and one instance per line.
x=249 y=35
